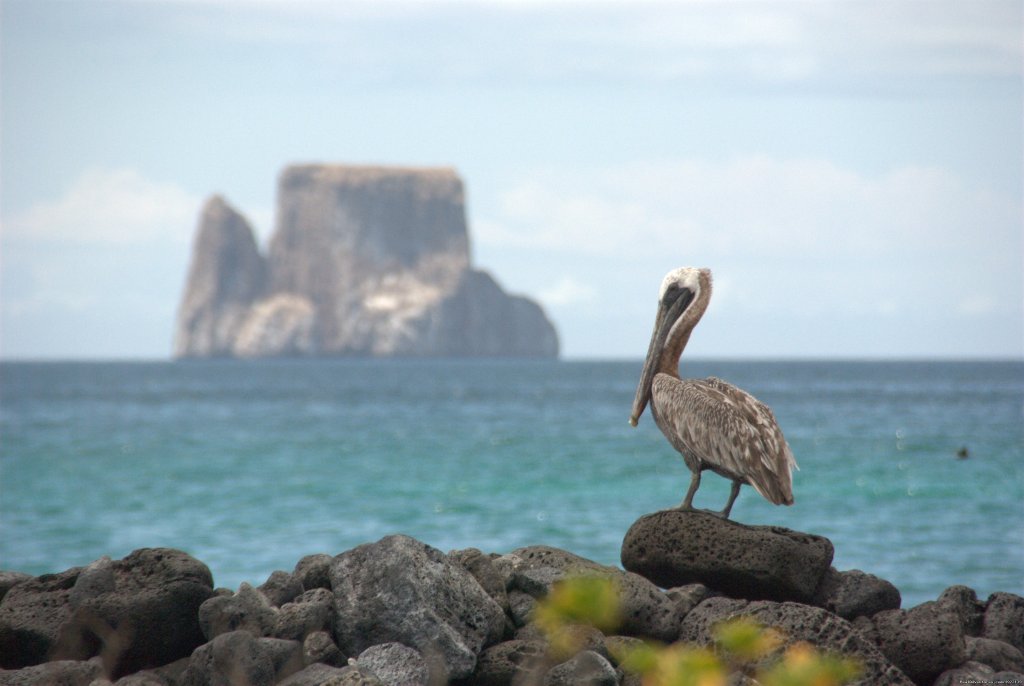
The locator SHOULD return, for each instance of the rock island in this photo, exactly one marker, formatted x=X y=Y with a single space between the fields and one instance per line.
x=364 y=261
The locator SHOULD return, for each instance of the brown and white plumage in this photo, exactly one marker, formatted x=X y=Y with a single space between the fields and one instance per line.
x=713 y=424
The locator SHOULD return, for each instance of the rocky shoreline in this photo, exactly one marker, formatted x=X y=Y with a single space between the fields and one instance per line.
x=399 y=612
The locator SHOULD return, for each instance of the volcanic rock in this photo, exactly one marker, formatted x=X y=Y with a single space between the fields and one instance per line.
x=856 y=594
x=798 y=622
x=486 y=573
x=320 y=675
x=646 y=610
x=31 y=615
x=280 y=588
x=62 y=672
x=9 y=580
x=401 y=590
x=319 y=646
x=239 y=657
x=584 y=669
x=963 y=602
x=1004 y=619
x=247 y=610
x=138 y=612
x=511 y=662
x=314 y=571
x=677 y=547
x=998 y=655
x=394 y=664
x=310 y=612
x=967 y=673
x=923 y=641
x=368 y=261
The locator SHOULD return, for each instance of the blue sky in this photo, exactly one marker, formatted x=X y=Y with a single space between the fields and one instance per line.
x=851 y=171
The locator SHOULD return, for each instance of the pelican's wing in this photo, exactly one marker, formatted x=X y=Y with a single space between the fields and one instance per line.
x=757 y=414
x=730 y=430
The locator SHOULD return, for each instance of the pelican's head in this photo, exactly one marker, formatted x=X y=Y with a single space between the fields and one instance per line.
x=679 y=289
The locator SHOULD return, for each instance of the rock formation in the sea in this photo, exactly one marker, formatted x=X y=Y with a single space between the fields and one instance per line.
x=364 y=261
x=398 y=612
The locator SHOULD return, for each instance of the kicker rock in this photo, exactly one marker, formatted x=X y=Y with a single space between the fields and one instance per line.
x=370 y=261
x=227 y=275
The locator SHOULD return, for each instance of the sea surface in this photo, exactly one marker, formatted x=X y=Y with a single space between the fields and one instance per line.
x=249 y=466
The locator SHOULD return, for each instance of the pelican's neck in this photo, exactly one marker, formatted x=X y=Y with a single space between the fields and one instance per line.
x=679 y=335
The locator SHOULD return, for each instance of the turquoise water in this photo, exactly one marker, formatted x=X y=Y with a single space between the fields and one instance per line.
x=249 y=466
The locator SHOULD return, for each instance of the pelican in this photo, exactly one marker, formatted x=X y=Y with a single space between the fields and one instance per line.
x=713 y=424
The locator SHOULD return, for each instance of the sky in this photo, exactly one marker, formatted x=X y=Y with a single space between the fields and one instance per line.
x=851 y=171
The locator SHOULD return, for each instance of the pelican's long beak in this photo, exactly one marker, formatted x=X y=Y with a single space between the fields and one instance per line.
x=669 y=311
x=643 y=389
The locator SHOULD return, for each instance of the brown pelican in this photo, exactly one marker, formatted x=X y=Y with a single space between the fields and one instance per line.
x=712 y=423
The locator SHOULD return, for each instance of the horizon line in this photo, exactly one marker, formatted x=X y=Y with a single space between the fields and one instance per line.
x=568 y=359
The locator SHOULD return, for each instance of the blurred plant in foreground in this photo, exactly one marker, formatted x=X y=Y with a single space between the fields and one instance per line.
x=741 y=644
x=578 y=601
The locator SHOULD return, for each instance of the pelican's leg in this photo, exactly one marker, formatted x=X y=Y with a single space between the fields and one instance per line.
x=732 y=498
x=694 y=485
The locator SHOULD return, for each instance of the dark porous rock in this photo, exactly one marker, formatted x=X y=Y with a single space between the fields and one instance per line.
x=816 y=626
x=619 y=647
x=866 y=628
x=646 y=610
x=95 y=579
x=395 y=665
x=248 y=610
x=964 y=603
x=239 y=657
x=689 y=596
x=581 y=636
x=923 y=641
x=967 y=673
x=483 y=569
x=998 y=655
x=314 y=571
x=508 y=663
x=537 y=581
x=143 y=678
x=31 y=615
x=56 y=673
x=9 y=580
x=150 y=618
x=1004 y=619
x=319 y=646
x=677 y=547
x=281 y=587
x=138 y=612
x=856 y=594
x=399 y=589
x=325 y=675
x=584 y=669
x=520 y=606
x=309 y=612
x=167 y=675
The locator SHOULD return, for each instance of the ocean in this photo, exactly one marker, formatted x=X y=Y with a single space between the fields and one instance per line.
x=249 y=465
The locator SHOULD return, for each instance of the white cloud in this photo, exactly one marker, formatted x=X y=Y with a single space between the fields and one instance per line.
x=109 y=206
x=567 y=291
x=750 y=206
x=800 y=241
x=976 y=305
x=714 y=42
